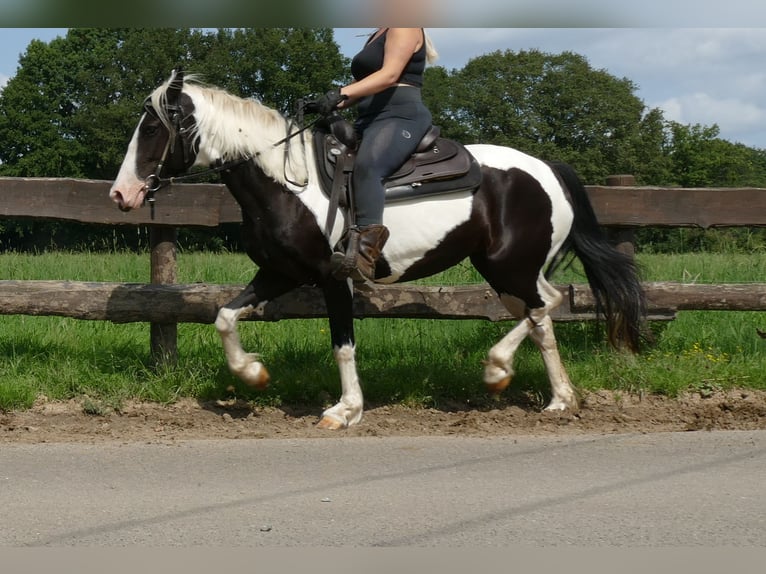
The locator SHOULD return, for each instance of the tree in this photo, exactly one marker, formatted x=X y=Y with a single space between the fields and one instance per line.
x=699 y=158
x=275 y=65
x=551 y=106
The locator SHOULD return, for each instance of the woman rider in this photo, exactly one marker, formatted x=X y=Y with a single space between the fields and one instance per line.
x=391 y=121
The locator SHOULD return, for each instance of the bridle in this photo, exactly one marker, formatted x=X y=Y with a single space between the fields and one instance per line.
x=181 y=126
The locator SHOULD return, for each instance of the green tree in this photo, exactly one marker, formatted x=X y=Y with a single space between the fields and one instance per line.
x=649 y=161
x=554 y=106
x=275 y=65
x=699 y=158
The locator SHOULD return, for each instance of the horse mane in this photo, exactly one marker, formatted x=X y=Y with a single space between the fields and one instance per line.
x=231 y=127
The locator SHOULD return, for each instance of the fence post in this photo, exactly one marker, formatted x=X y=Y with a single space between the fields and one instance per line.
x=625 y=239
x=164 y=271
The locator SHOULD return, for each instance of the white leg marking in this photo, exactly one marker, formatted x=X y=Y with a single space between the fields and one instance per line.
x=499 y=366
x=246 y=366
x=350 y=408
x=539 y=326
x=563 y=392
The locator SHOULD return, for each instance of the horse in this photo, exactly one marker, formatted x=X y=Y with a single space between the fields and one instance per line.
x=515 y=229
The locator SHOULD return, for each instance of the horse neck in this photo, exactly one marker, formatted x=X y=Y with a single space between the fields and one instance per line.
x=231 y=128
x=251 y=187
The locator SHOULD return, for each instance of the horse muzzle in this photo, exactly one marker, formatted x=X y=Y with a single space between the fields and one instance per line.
x=126 y=204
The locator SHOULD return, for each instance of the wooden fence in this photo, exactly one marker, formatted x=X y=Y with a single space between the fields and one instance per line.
x=620 y=206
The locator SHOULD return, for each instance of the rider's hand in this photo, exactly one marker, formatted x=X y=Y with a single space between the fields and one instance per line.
x=326 y=104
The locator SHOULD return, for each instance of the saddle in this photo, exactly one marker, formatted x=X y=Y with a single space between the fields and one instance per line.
x=438 y=166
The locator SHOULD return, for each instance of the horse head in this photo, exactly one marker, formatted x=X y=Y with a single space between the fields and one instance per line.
x=164 y=145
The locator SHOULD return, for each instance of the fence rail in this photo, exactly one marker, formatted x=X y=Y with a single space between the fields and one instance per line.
x=199 y=303
x=210 y=205
x=620 y=206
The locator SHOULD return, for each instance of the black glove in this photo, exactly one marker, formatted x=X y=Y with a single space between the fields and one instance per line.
x=325 y=105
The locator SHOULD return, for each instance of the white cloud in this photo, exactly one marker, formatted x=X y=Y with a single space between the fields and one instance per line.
x=3 y=80
x=737 y=119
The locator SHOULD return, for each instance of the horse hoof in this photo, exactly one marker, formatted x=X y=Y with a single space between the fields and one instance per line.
x=496 y=388
x=330 y=423
x=260 y=379
x=263 y=381
x=560 y=405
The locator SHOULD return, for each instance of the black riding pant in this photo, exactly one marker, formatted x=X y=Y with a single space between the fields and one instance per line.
x=390 y=125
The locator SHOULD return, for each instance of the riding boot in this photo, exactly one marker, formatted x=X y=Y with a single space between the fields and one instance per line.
x=363 y=246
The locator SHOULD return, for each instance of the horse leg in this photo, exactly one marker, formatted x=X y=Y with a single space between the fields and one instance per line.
x=247 y=366
x=563 y=393
x=348 y=411
x=498 y=368
x=539 y=326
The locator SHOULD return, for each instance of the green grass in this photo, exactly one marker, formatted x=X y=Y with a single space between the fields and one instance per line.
x=432 y=363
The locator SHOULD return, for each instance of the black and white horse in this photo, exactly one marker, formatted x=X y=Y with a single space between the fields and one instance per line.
x=519 y=221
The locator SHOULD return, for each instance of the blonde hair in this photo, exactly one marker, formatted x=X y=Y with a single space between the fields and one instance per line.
x=431 y=53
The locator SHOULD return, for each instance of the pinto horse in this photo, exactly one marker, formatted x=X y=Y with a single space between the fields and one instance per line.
x=514 y=228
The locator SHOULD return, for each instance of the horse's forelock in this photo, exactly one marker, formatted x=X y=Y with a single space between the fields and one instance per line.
x=159 y=98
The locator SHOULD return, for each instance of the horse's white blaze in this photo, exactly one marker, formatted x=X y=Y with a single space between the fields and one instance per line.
x=127 y=189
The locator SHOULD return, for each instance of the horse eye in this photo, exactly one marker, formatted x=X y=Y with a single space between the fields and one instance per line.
x=149 y=131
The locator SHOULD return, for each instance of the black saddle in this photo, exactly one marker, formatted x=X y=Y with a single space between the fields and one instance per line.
x=438 y=166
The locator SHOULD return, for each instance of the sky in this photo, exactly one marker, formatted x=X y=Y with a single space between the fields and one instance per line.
x=695 y=75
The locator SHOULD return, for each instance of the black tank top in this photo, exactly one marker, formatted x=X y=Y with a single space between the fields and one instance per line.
x=370 y=59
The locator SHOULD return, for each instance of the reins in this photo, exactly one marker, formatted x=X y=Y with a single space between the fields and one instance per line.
x=158 y=182
x=154 y=182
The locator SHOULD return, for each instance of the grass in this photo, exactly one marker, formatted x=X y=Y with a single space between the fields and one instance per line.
x=433 y=363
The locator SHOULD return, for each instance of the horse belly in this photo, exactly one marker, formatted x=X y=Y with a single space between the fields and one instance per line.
x=418 y=227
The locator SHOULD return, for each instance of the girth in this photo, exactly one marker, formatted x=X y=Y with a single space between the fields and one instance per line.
x=438 y=166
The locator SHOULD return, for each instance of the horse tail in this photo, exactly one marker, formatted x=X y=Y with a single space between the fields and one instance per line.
x=612 y=275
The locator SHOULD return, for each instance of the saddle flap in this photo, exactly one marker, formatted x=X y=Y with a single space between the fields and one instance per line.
x=445 y=159
x=440 y=151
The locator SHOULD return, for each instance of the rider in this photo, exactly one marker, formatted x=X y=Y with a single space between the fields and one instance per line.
x=391 y=121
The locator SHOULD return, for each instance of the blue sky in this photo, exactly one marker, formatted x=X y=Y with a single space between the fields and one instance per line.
x=695 y=75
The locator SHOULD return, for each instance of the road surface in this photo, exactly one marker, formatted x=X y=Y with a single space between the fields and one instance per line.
x=699 y=489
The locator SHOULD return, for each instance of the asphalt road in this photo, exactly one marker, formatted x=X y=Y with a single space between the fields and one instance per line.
x=657 y=490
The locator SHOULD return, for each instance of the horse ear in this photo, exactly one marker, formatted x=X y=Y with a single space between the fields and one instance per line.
x=175 y=85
